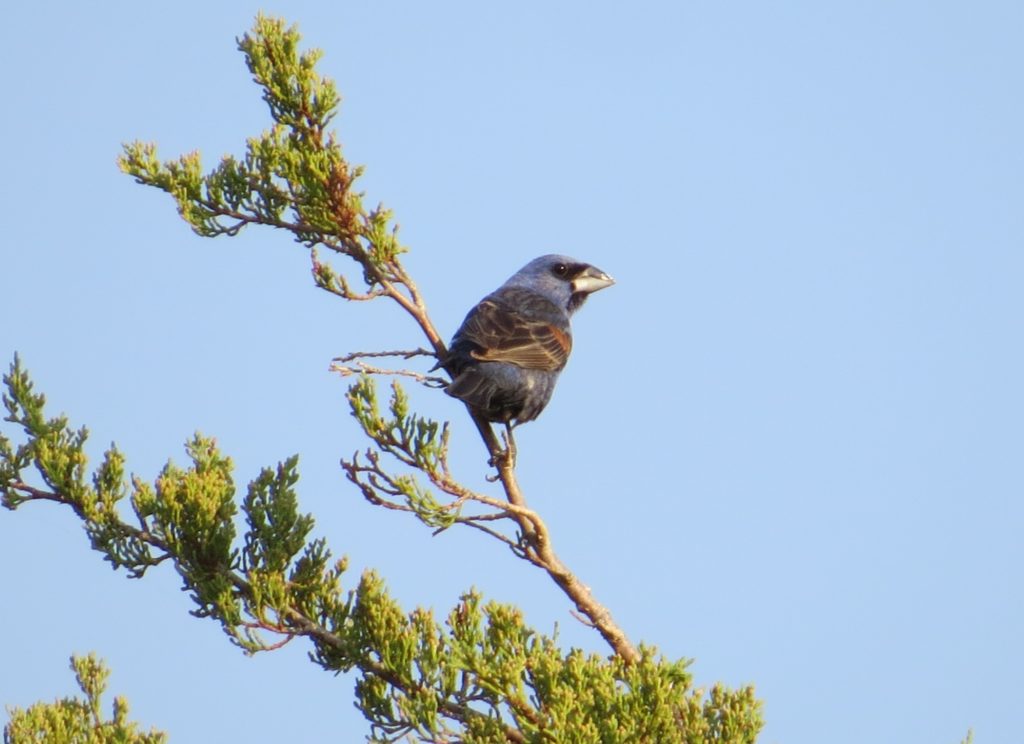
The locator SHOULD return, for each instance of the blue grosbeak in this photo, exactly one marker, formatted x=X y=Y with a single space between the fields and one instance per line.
x=506 y=357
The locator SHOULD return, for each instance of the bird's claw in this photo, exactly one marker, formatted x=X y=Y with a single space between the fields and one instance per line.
x=509 y=453
x=505 y=457
x=500 y=461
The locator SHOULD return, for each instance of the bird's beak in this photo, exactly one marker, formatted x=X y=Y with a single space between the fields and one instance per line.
x=590 y=280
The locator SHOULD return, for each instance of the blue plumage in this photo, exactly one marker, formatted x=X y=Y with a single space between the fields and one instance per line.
x=506 y=357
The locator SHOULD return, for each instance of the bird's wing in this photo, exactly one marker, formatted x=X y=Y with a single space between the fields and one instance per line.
x=504 y=332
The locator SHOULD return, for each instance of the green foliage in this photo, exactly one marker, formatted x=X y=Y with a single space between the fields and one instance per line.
x=412 y=440
x=77 y=721
x=481 y=675
x=293 y=176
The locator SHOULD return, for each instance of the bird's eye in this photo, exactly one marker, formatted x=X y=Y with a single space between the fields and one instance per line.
x=561 y=269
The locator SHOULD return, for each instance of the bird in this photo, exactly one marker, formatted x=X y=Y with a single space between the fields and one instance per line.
x=506 y=356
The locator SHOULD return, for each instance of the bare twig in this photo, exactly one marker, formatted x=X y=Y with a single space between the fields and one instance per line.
x=289 y=636
x=483 y=528
x=407 y=354
x=363 y=368
x=344 y=290
x=586 y=621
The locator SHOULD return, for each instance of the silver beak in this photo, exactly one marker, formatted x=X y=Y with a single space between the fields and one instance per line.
x=591 y=280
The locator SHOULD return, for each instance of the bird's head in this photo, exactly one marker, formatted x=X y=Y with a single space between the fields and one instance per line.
x=561 y=279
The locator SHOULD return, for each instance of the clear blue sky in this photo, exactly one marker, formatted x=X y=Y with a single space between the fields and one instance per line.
x=788 y=445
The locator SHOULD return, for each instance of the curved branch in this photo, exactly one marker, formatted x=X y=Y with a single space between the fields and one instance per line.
x=356 y=234
x=538 y=548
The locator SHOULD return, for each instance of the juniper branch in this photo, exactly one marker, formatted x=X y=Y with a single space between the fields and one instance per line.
x=295 y=178
x=484 y=678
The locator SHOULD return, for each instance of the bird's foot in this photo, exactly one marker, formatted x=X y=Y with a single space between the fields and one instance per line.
x=509 y=453
x=506 y=457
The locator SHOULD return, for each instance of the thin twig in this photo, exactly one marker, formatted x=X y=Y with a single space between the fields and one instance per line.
x=362 y=368
x=406 y=354
x=585 y=620
x=344 y=290
x=483 y=528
